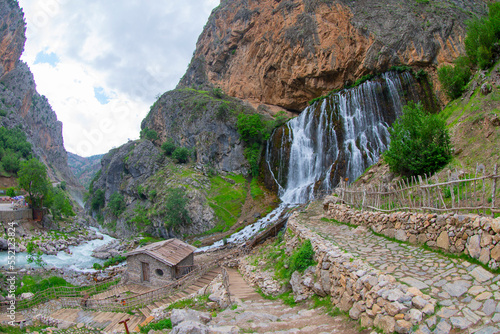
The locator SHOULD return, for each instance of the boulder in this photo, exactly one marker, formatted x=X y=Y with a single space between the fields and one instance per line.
x=186 y=315
x=190 y=327
x=4 y=244
x=443 y=241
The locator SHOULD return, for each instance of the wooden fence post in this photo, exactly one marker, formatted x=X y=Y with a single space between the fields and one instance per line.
x=493 y=193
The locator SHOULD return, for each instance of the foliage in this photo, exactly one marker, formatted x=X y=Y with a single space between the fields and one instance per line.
x=181 y=154
x=61 y=204
x=14 y=147
x=303 y=258
x=114 y=261
x=254 y=132
x=116 y=203
x=11 y=192
x=454 y=79
x=33 y=178
x=420 y=143
x=141 y=217
x=168 y=147
x=175 y=211
x=98 y=200
x=482 y=34
x=149 y=134
x=217 y=92
x=255 y=189
x=34 y=254
x=252 y=128
x=157 y=326
x=35 y=284
x=280 y=118
x=97 y=266
x=147 y=240
x=226 y=199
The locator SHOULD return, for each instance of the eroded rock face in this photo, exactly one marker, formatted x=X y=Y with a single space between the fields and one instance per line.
x=12 y=35
x=21 y=103
x=202 y=121
x=287 y=52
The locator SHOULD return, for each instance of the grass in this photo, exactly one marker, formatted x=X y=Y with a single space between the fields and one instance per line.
x=16 y=330
x=256 y=189
x=227 y=199
x=156 y=326
x=36 y=283
x=148 y=240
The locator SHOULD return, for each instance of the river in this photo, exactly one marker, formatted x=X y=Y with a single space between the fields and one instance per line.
x=80 y=258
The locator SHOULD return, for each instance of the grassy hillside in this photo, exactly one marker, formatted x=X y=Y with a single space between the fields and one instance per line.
x=474 y=121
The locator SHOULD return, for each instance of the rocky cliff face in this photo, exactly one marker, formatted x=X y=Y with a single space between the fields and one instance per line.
x=287 y=52
x=20 y=103
x=84 y=168
x=12 y=35
x=142 y=174
x=204 y=121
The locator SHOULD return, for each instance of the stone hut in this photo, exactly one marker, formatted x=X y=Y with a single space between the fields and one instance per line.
x=160 y=263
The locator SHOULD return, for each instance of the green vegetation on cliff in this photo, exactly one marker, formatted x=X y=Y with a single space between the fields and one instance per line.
x=14 y=148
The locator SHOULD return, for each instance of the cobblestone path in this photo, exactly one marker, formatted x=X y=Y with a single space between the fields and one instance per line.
x=468 y=295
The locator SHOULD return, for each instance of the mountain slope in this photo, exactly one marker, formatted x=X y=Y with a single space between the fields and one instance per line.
x=20 y=103
x=84 y=169
x=287 y=52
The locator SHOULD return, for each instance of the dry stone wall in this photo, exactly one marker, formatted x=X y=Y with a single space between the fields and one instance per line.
x=474 y=235
x=368 y=295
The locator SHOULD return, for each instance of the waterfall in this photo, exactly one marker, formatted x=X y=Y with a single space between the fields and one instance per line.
x=337 y=137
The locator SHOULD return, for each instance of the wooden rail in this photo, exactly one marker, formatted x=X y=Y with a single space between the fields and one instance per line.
x=461 y=192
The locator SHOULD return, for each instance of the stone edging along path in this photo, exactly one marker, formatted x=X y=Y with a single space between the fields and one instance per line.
x=397 y=287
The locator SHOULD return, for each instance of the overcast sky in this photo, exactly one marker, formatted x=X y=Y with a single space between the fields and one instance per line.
x=101 y=63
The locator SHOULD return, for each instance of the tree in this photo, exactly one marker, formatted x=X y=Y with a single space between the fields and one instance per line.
x=168 y=146
x=175 y=212
x=420 y=143
x=454 y=79
x=116 y=203
x=181 y=154
x=61 y=204
x=34 y=254
x=33 y=178
x=98 y=200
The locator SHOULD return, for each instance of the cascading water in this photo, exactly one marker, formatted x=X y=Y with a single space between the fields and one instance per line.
x=338 y=137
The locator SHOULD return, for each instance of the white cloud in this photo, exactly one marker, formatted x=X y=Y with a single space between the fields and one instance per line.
x=130 y=50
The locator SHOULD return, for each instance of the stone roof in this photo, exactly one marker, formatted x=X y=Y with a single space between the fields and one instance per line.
x=170 y=252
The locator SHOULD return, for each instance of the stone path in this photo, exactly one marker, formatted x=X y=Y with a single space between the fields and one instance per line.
x=254 y=314
x=468 y=295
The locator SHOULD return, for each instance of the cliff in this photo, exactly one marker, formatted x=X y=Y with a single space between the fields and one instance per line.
x=21 y=105
x=287 y=52
x=84 y=168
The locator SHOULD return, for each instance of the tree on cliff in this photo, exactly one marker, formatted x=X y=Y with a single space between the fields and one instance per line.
x=420 y=143
x=33 y=178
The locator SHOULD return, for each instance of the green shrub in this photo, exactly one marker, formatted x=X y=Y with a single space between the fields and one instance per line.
x=168 y=146
x=217 y=92
x=181 y=154
x=454 y=79
x=114 y=261
x=116 y=203
x=157 y=326
x=303 y=258
x=98 y=200
x=61 y=204
x=420 y=143
x=175 y=208
x=482 y=34
x=252 y=128
x=34 y=284
x=149 y=134
x=11 y=192
x=97 y=266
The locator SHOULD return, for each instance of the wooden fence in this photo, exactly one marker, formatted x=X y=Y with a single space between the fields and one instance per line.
x=78 y=297
x=472 y=192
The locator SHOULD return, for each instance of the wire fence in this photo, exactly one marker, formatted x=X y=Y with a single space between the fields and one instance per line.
x=469 y=192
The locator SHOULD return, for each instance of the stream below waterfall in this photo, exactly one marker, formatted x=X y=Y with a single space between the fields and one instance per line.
x=80 y=258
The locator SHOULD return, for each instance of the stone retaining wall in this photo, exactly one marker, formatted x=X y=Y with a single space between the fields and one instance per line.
x=17 y=215
x=376 y=299
x=475 y=235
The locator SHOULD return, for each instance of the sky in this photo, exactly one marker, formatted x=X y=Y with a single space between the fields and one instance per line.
x=103 y=63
